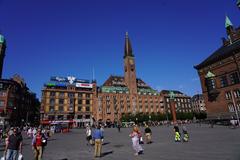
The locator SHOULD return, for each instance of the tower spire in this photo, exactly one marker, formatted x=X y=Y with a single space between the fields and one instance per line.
x=228 y=23
x=128 y=47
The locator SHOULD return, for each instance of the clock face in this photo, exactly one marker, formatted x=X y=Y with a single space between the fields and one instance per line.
x=131 y=61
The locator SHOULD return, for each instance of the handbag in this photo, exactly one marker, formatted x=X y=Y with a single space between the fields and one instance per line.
x=20 y=156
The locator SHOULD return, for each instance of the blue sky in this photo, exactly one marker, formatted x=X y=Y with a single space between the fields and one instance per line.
x=71 y=37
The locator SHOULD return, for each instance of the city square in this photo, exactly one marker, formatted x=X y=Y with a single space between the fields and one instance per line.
x=219 y=142
x=83 y=70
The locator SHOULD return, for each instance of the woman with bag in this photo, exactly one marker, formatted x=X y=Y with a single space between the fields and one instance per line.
x=38 y=143
x=135 y=136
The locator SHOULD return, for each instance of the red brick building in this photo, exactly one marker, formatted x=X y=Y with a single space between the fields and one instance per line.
x=182 y=101
x=219 y=76
x=18 y=105
x=126 y=94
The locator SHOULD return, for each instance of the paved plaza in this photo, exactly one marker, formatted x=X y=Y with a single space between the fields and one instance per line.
x=218 y=143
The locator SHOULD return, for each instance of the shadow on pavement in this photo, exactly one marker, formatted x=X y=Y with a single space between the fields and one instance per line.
x=105 y=143
x=106 y=153
x=52 y=139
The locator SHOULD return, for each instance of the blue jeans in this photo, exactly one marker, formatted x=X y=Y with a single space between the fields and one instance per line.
x=12 y=154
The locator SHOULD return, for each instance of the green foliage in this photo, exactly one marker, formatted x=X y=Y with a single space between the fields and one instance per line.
x=144 y=117
x=201 y=115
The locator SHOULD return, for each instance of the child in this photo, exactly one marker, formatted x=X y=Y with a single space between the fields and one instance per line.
x=185 y=134
x=177 y=134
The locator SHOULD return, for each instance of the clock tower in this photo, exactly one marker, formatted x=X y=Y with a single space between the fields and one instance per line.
x=2 y=53
x=129 y=67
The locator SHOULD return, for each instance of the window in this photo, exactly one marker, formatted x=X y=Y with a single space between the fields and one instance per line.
x=61 y=94
x=71 y=108
x=71 y=101
x=1 y=103
x=52 y=102
x=234 y=79
x=52 y=94
x=60 y=108
x=228 y=95
x=71 y=95
x=60 y=117
x=79 y=95
x=88 y=109
x=210 y=82
x=237 y=93
x=79 y=101
x=79 y=117
x=230 y=107
x=108 y=110
x=122 y=108
x=51 y=108
x=2 y=93
x=87 y=95
x=223 y=81
x=61 y=101
x=79 y=108
x=238 y=106
x=140 y=108
x=87 y=116
x=128 y=109
x=51 y=117
x=167 y=100
x=10 y=103
x=87 y=101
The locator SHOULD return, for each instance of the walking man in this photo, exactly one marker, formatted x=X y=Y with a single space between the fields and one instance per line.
x=97 y=137
x=13 y=145
x=148 y=134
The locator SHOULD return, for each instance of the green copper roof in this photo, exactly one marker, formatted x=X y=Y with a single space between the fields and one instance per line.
x=171 y=95
x=1 y=39
x=209 y=75
x=228 y=22
x=111 y=89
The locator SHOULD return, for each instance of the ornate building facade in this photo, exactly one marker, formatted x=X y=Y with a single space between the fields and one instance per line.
x=126 y=94
x=219 y=76
x=68 y=99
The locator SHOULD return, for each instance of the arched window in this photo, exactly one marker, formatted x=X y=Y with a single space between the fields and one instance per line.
x=230 y=107
x=238 y=106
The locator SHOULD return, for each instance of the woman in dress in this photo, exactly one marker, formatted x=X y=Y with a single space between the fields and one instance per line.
x=135 y=135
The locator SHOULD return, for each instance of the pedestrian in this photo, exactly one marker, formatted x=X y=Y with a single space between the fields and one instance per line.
x=102 y=129
x=29 y=132
x=13 y=146
x=177 y=134
x=89 y=135
x=119 y=128
x=185 y=134
x=38 y=143
x=97 y=137
x=148 y=134
x=135 y=135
